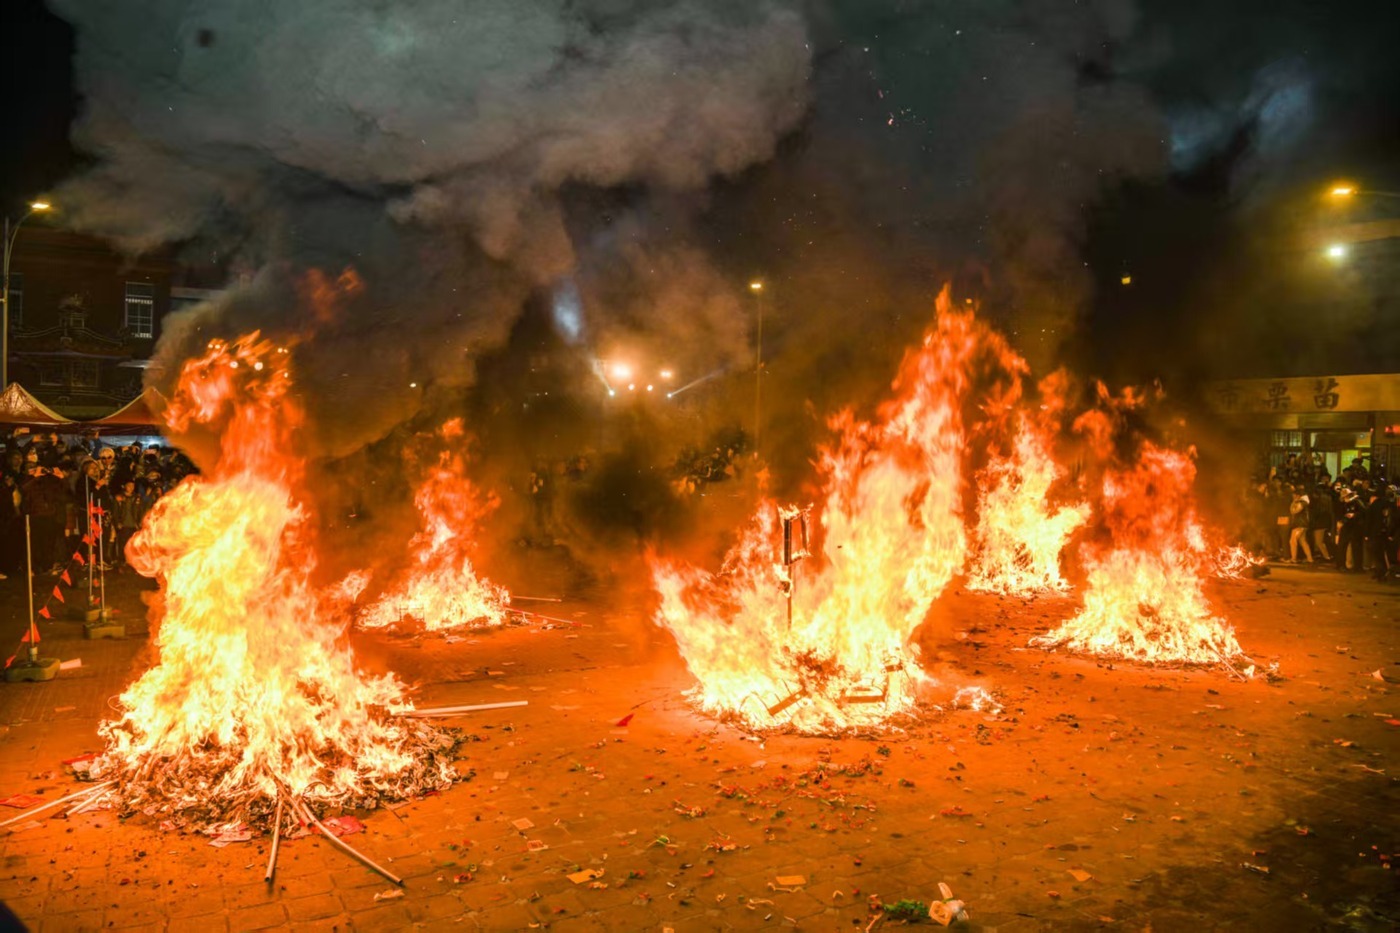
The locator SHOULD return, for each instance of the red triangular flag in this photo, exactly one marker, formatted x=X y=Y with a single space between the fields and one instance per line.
x=65 y=578
x=45 y=613
x=80 y=559
x=87 y=539
x=58 y=594
x=10 y=660
x=24 y=639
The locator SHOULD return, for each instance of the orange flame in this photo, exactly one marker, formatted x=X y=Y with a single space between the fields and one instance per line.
x=1144 y=598
x=1019 y=533
x=892 y=536
x=254 y=697
x=442 y=589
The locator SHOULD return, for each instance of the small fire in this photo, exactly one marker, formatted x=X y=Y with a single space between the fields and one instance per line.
x=254 y=698
x=1020 y=534
x=891 y=536
x=1233 y=562
x=1143 y=599
x=441 y=589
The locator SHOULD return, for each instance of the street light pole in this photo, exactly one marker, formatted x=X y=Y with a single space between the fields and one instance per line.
x=5 y=315
x=757 y=288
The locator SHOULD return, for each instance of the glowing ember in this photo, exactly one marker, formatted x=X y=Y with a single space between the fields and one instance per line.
x=254 y=697
x=1232 y=562
x=890 y=536
x=441 y=589
x=1019 y=533
x=1143 y=599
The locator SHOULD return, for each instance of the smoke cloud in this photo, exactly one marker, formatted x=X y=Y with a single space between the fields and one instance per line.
x=523 y=187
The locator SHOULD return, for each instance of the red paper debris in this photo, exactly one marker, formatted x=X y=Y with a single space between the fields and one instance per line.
x=625 y=719
x=21 y=801
x=344 y=825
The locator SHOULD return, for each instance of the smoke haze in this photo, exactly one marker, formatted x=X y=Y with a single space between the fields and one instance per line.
x=526 y=187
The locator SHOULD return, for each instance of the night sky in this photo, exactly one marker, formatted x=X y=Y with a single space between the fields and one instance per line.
x=625 y=169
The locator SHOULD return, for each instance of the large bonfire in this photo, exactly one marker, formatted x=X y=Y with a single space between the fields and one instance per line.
x=254 y=697
x=890 y=537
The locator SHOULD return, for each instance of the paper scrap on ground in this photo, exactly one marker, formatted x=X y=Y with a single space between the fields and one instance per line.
x=588 y=874
x=70 y=665
x=21 y=801
x=238 y=834
x=1078 y=875
x=792 y=881
x=344 y=825
x=523 y=824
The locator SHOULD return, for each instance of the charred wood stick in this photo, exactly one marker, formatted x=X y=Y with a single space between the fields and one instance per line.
x=348 y=849
x=455 y=710
x=276 y=838
x=536 y=599
x=53 y=803
x=537 y=615
x=85 y=805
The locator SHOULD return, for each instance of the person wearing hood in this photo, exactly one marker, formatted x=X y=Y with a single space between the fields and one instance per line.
x=1351 y=530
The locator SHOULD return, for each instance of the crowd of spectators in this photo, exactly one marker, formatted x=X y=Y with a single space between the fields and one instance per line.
x=1301 y=513
x=51 y=480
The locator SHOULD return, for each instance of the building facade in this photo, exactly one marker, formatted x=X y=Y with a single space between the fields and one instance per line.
x=1335 y=419
x=84 y=319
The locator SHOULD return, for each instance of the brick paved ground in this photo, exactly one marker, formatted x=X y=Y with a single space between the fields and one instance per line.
x=1102 y=796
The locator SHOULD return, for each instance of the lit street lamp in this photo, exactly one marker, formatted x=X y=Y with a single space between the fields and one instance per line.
x=10 y=235
x=1345 y=190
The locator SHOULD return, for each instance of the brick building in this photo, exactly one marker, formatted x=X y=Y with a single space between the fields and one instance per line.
x=84 y=319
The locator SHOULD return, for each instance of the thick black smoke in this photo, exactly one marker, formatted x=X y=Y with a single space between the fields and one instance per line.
x=526 y=188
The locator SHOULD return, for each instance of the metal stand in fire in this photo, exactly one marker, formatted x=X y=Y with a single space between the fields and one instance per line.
x=794 y=551
x=33 y=668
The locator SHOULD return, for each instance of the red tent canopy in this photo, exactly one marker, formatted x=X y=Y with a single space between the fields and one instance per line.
x=139 y=416
x=20 y=409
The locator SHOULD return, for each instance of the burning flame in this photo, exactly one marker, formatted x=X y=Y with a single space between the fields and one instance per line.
x=1019 y=534
x=891 y=537
x=1143 y=599
x=441 y=589
x=254 y=697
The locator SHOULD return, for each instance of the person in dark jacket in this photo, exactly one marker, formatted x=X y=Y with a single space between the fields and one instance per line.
x=11 y=520
x=44 y=499
x=1351 y=531
x=1381 y=524
x=1321 y=517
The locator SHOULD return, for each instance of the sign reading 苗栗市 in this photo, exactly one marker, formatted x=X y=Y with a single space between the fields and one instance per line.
x=1305 y=394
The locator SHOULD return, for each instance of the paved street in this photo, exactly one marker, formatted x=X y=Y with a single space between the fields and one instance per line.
x=1101 y=796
